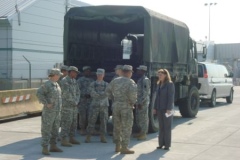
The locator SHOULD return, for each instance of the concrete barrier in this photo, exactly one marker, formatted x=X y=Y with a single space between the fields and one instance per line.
x=16 y=102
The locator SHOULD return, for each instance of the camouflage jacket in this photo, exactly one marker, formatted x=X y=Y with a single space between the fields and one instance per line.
x=70 y=92
x=50 y=93
x=97 y=92
x=143 y=90
x=83 y=83
x=123 y=90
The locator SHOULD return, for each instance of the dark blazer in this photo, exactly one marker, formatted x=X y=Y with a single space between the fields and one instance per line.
x=165 y=96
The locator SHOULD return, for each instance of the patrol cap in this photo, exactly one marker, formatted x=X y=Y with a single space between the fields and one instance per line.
x=142 y=67
x=72 y=68
x=86 y=67
x=64 y=67
x=55 y=71
x=127 y=68
x=100 y=71
x=118 y=67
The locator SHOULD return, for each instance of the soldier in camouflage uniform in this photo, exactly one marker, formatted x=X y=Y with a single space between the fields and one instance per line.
x=85 y=100
x=143 y=97
x=99 y=106
x=49 y=94
x=70 y=99
x=118 y=71
x=64 y=71
x=123 y=92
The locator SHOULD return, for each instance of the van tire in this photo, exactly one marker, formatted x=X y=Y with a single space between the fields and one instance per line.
x=189 y=106
x=229 y=99
x=212 y=102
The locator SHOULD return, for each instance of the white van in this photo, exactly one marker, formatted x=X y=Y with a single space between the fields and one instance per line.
x=215 y=82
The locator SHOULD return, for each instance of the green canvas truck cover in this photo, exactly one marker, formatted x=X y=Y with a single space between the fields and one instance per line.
x=165 y=39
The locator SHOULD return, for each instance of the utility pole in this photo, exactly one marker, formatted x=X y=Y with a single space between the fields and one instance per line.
x=209 y=18
x=30 y=77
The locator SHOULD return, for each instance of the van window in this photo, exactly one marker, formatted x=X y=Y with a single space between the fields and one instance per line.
x=200 y=70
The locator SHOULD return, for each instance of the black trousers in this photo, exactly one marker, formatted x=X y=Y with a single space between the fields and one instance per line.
x=165 y=129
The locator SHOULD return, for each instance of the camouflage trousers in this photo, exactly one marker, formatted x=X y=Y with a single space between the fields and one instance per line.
x=69 y=121
x=123 y=122
x=84 y=111
x=102 y=112
x=50 y=126
x=142 y=120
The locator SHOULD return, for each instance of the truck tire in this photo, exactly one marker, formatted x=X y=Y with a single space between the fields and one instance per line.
x=212 y=102
x=229 y=99
x=153 y=121
x=189 y=106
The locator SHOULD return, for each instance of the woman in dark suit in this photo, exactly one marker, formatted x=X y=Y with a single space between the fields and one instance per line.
x=164 y=104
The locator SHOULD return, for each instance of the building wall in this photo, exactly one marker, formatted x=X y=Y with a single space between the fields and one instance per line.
x=36 y=34
x=39 y=37
x=5 y=50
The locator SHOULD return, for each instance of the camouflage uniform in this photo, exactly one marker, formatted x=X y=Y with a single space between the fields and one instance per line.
x=143 y=97
x=70 y=98
x=123 y=92
x=84 y=105
x=99 y=106
x=62 y=68
x=50 y=93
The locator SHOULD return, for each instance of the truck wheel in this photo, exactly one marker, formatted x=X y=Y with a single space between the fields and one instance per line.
x=212 y=102
x=153 y=121
x=229 y=99
x=189 y=106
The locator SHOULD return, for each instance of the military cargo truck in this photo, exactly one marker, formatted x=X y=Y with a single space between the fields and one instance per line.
x=104 y=36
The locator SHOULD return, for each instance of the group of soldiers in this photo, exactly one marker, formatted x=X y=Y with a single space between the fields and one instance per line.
x=64 y=98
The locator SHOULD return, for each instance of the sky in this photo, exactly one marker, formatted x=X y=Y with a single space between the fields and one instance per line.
x=224 y=16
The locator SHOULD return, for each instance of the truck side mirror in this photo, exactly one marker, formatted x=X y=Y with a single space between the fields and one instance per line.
x=230 y=74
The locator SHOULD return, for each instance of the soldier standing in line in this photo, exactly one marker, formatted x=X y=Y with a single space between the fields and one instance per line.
x=49 y=94
x=85 y=100
x=99 y=106
x=64 y=71
x=123 y=92
x=118 y=71
x=70 y=98
x=143 y=98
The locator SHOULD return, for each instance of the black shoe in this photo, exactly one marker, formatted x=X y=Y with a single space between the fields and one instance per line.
x=159 y=147
x=166 y=148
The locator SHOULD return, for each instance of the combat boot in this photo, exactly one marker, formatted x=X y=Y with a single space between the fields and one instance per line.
x=117 y=147
x=142 y=136
x=54 y=148
x=73 y=140
x=103 y=139
x=136 y=135
x=45 y=150
x=83 y=132
x=65 y=142
x=125 y=150
x=88 y=138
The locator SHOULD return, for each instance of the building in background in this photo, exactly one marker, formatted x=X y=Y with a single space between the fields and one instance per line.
x=32 y=29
